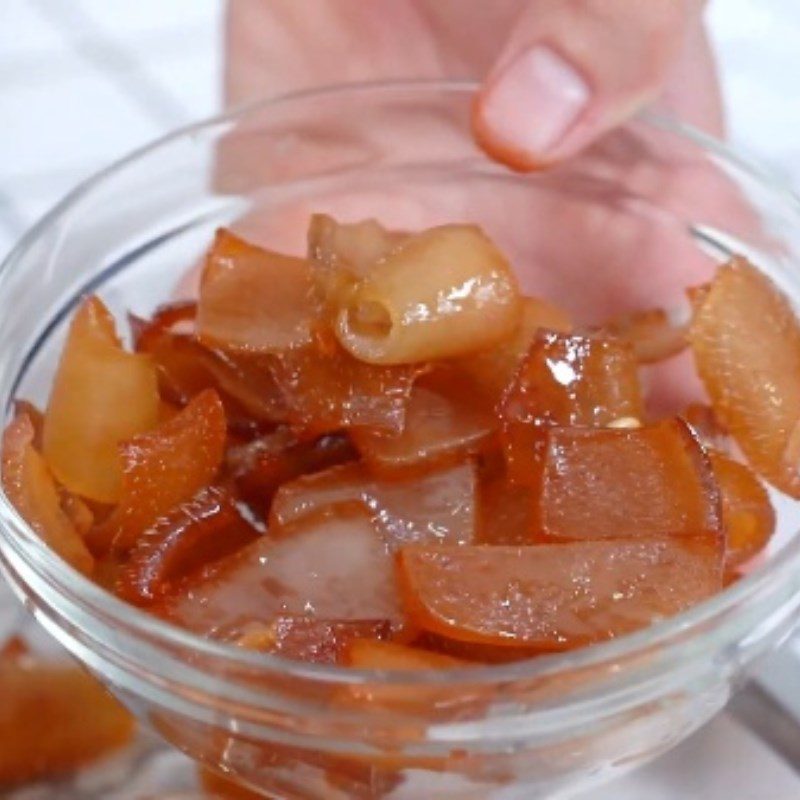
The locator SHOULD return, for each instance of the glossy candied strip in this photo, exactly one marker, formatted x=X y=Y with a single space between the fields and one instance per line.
x=373 y=654
x=494 y=368
x=331 y=565
x=56 y=719
x=651 y=333
x=703 y=421
x=565 y=379
x=101 y=395
x=554 y=597
x=261 y=466
x=746 y=343
x=253 y=299
x=613 y=483
x=447 y=420
x=747 y=513
x=77 y=511
x=24 y=408
x=318 y=641
x=474 y=653
x=436 y=506
x=354 y=247
x=445 y=292
x=326 y=389
x=164 y=468
x=31 y=489
x=506 y=511
x=185 y=368
x=185 y=539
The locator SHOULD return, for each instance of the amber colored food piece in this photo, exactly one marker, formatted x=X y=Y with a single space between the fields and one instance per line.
x=326 y=389
x=27 y=409
x=494 y=368
x=746 y=343
x=373 y=654
x=506 y=512
x=703 y=421
x=342 y=253
x=555 y=597
x=188 y=537
x=220 y=788
x=473 y=653
x=651 y=333
x=253 y=299
x=259 y=467
x=32 y=491
x=585 y=381
x=443 y=293
x=101 y=396
x=318 y=641
x=354 y=247
x=446 y=420
x=376 y=655
x=166 y=467
x=333 y=565
x=185 y=368
x=605 y=483
x=56 y=719
x=747 y=513
x=77 y=512
x=437 y=506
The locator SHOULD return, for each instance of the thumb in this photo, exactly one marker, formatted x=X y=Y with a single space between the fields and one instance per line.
x=572 y=70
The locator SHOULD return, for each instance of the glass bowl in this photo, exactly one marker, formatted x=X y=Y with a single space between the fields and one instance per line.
x=651 y=209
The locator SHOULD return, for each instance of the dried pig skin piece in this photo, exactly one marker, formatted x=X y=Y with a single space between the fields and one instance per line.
x=584 y=381
x=185 y=368
x=372 y=654
x=56 y=719
x=78 y=512
x=260 y=467
x=746 y=343
x=747 y=513
x=446 y=420
x=165 y=467
x=326 y=389
x=494 y=368
x=318 y=641
x=185 y=539
x=554 y=597
x=600 y=483
x=351 y=246
x=24 y=408
x=101 y=396
x=651 y=333
x=252 y=299
x=32 y=491
x=445 y=292
x=437 y=506
x=333 y=565
x=506 y=512
x=702 y=420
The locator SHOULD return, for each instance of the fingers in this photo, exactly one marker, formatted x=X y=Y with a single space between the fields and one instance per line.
x=572 y=70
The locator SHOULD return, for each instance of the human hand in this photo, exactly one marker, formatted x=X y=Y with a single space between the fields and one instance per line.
x=556 y=74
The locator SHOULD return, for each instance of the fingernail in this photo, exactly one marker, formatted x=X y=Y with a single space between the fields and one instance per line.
x=531 y=105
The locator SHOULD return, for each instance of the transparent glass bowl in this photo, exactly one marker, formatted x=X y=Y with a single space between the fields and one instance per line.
x=651 y=209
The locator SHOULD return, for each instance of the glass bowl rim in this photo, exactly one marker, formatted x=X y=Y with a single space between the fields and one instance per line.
x=664 y=633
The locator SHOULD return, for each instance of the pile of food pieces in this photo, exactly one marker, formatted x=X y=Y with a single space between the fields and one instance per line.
x=385 y=456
